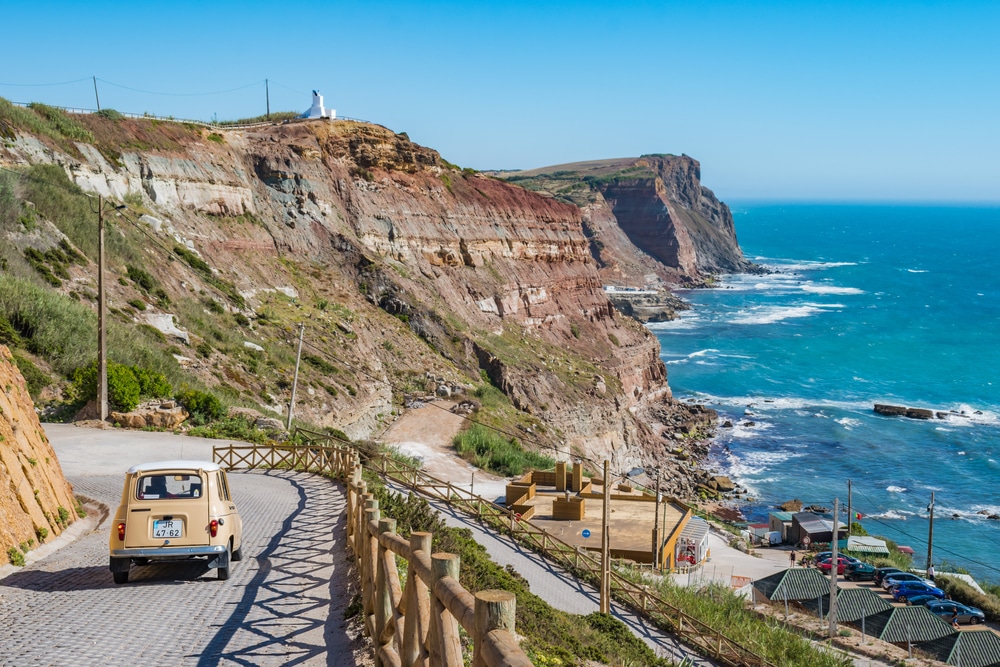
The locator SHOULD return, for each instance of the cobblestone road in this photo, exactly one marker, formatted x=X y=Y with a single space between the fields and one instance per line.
x=282 y=604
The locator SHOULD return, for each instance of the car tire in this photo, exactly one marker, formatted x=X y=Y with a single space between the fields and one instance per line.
x=238 y=554
x=974 y=620
x=120 y=577
x=901 y=598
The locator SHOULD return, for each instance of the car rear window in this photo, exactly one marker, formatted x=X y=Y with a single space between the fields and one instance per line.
x=169 y=485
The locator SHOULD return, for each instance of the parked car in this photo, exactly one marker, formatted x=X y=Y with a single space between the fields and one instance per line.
x=173 y=510
x=826 y=556
x=827 y=565
x=966 y=614
x=921 y=600
x=902 y=592
x=903 y=577
x=860 y=571
x=882 y=572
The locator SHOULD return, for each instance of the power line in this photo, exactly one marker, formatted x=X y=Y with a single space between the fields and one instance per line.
x=44 y=85
x=151 y=92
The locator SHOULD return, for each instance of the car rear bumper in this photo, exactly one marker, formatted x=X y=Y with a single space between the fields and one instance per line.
x=168 y=552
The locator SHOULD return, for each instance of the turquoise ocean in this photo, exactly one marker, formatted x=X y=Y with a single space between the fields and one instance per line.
x=868 y=304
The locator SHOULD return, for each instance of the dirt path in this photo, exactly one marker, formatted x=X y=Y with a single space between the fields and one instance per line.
x=426 y=432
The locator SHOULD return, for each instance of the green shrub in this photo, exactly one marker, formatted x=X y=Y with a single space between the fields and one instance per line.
x=143 y=279
x=110 y=114
x=138 y=304
x=319 y=364
x=241 y=319
x=126 y=385
x=15 y=557
x=202 y=406
x=34 y=377
x=8 y=336
x=490 y=450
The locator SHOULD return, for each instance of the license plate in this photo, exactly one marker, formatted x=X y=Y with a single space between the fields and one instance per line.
x=172 y=528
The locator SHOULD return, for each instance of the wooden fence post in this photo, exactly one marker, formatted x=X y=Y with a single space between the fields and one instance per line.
x=383 y=594
x=369 y=564
x=418 y=607
x=494 y=610
x=446 y=648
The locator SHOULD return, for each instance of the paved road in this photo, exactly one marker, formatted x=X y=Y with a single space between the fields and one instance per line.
x=281 y=606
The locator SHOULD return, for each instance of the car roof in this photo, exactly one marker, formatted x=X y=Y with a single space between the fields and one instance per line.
x=179 y=464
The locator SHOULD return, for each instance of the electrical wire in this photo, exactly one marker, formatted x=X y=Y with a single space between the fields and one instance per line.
x=150 y=92
x=45 y=85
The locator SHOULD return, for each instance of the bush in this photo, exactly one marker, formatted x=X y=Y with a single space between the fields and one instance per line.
x=490 y=450
x=126 y=385
x=966 y=594
x=202 y=406
x=35 y=378
x=141 y=278
x=15 y=556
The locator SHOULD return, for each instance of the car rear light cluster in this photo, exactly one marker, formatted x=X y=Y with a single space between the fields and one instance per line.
x=213 y=527
x=121 y=531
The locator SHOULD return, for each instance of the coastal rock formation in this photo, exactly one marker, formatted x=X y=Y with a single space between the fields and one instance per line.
x=649 y=220
x=36 y=501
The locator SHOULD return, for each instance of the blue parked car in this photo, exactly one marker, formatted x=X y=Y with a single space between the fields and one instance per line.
x=907 y=590
x=891 y=580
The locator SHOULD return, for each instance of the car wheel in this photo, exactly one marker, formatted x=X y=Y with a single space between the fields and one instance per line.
x=238 y=554
x=120 y=577
x=902 y=598
x=974 y=620
x=223 y=572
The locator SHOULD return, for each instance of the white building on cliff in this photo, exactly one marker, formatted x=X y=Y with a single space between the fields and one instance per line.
x=317 y=110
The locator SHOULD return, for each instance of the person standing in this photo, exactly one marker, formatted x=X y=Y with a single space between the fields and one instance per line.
x=791 y=557
x=930 y=572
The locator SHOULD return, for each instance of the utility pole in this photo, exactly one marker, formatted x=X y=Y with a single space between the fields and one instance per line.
x=833 y=569
x=102 y=308
x=96 y=97
x=850 y=511
x=606 y=546
x=267 y=94
x=295 y=380
x=656 y=523
x=930 y=533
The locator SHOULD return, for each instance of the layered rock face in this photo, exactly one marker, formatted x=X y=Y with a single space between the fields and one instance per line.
x=433 y=268
x=650 y=220
x=36 y=501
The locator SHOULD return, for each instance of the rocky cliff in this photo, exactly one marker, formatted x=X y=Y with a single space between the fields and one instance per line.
x=36 y=501
x=406 y=271
x=649 y=219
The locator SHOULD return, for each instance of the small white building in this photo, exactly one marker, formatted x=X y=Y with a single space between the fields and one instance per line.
x=317 y=110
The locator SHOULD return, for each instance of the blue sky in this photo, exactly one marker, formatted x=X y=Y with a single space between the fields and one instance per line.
x=893 y=101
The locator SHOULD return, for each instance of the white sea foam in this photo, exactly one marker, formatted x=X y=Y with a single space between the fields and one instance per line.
x=848 y=423
x=765 y=404
x=916 y=271
x=814 y=288
x=773 y=314
x=892 y=514
x=895 y=489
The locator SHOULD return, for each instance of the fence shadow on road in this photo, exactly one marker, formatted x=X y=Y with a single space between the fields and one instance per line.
x=286 y=612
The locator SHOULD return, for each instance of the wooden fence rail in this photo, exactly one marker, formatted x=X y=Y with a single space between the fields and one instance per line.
x=416 y=625
x=582 y=563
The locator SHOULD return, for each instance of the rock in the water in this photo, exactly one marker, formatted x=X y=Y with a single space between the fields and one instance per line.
x=723 y=484
x=903 y=411
x=791 y=506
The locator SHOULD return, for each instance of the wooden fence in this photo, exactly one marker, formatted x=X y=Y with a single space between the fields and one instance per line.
x=416 y=625
x=582 y=563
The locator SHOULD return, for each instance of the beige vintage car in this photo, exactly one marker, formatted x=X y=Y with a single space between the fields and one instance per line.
x=173 y=510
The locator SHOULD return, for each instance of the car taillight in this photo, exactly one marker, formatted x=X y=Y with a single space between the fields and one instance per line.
x=213 y=527
x=121 y=531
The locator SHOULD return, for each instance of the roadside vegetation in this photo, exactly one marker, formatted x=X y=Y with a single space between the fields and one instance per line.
x=551 y=637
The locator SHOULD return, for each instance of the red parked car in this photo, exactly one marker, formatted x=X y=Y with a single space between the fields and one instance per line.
x=842 y=564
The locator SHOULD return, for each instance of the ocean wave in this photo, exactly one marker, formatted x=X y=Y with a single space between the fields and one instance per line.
x=798 y=265
x=765 y=404
x=773 y=314
x=892 y=514
x=813 y=288
x=917 y=271
x=965 y=415
x=895 y=489
x=848 y=423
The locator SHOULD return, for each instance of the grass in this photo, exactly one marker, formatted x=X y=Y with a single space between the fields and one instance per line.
x=551 y=636
x=276 y=117
x=490 y=450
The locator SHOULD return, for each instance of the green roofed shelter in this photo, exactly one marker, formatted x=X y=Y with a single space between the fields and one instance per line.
x=853 y=604
x=969 y=648
x=900 y=625
x=866 y=545
x=797 y=583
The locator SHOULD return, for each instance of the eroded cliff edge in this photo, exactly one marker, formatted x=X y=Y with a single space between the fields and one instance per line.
x=401 y=265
